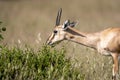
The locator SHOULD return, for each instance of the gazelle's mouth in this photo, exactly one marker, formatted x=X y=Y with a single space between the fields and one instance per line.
x=53 y=44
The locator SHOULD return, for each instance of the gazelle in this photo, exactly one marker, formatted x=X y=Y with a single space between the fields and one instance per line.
x=106 y=42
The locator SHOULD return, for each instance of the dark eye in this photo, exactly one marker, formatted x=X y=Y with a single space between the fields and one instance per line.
x=55 y=31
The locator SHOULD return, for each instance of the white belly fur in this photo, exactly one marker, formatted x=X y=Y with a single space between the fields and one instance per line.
x=104 y=52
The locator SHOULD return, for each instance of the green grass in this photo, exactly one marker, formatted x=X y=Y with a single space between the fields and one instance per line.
x=44 y=64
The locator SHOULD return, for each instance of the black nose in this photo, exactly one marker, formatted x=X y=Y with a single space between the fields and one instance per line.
x=48 y=43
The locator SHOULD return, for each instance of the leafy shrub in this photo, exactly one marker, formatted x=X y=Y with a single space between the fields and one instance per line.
x=1 y=30
x=45 y=64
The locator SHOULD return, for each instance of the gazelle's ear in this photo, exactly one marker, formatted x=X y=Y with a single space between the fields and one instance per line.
x=73 y=24
x=66 y=24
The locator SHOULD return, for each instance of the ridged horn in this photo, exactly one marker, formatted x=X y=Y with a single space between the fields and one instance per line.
x=58 y=17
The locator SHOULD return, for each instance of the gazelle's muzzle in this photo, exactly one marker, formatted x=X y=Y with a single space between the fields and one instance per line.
x=49 y=43
x=49 y=40
x=52 y=44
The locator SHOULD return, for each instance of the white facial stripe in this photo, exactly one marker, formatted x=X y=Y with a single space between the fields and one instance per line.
x=51 y=37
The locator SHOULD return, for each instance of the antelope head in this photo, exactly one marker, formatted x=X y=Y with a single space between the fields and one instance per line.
x=60 y=31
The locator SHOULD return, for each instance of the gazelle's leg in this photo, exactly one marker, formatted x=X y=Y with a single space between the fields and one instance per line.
x=115 y=66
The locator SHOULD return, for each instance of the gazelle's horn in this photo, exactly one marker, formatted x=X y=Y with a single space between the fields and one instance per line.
x=58 y=17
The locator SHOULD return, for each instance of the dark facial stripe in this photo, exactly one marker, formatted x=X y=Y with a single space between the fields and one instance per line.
x=50 y=38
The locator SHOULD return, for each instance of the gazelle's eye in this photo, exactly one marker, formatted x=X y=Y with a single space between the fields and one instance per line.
x=55 y=31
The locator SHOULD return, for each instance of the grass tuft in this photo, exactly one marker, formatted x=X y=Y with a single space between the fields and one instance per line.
x=44 y=64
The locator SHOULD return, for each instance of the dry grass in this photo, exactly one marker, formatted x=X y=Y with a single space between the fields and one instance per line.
x=28 y=21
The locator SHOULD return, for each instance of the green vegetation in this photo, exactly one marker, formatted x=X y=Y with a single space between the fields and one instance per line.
x=1 y=31
x=44 y=64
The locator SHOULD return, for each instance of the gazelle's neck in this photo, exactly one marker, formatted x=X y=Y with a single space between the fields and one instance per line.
x=89 y=40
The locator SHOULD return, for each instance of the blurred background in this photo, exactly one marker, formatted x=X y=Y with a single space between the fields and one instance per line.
x=31 y=21
x=26 y=20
